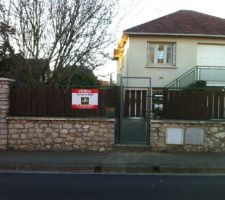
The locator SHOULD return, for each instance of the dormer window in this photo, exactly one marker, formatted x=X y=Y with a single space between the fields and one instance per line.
x=161 y=53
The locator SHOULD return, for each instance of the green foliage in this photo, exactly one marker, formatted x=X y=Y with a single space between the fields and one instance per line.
x=74 y=75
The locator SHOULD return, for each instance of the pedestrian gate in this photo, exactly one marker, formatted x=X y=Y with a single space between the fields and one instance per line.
x=135 y=110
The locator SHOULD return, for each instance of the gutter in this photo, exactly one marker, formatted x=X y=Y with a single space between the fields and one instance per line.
x=173 y=34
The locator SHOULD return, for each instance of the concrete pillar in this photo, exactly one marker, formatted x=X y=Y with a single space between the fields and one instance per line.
x=4 y=110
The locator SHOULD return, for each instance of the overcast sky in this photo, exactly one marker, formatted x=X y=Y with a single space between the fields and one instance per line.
x=134 y=12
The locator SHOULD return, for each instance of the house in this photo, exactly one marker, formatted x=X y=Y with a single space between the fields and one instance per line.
x=181 y=48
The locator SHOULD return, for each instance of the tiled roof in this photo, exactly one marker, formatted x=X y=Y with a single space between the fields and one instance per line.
x=183 y=22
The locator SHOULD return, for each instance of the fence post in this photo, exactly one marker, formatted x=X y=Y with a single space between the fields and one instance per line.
x=4 y=110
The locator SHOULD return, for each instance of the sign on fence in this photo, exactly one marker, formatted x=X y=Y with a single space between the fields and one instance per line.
x=85 y=98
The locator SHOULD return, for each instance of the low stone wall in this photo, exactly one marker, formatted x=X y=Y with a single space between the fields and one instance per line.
x=213 y=138
x=27 y=133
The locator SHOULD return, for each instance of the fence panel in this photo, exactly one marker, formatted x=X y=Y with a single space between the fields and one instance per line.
x=196 y=105
x=57 y=102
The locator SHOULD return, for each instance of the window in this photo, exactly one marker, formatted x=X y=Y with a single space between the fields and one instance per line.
x=161 y=53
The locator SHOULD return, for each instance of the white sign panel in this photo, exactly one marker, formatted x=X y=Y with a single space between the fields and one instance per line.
x=84 y=98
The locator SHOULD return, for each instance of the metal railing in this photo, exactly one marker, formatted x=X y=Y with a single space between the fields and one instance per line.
x=214 y=76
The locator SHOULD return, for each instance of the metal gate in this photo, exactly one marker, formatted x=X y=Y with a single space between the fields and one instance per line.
x=135 y=110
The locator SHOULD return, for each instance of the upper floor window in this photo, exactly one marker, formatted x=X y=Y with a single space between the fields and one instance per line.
x=161 y=53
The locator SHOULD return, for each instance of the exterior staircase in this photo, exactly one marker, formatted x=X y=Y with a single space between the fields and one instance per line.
x=212 y=76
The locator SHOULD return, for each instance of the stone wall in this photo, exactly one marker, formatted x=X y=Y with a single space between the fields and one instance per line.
x=32 y=133
x=4 y=109
x=213 y=140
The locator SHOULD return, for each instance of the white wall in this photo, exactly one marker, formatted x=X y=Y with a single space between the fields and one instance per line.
x=186 y=58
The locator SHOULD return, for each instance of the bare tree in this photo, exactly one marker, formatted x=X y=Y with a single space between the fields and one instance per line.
x=63 y=32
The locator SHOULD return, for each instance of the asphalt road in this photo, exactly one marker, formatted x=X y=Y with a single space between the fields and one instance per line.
x=34 y=186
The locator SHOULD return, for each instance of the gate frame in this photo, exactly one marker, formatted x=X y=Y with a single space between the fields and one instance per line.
x=148 y=105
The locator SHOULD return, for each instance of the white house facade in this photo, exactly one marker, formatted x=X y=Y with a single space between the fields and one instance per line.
x=144 y=51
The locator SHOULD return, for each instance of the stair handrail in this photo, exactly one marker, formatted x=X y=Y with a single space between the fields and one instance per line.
x=183 y=75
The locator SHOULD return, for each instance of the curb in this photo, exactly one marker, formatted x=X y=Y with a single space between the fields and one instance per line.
x=102 y=169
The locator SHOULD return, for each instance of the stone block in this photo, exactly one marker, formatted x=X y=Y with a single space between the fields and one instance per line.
x=18 y=142
x=63 y=131
x=100 y=139
x=93 y=148
x=48 y=147
x=43 y=125
x=4 y=107
x=102 y=149
x=23 y=136
x=57 y=147
x=90 y=133
x=48 y=130
x=48 y=141
x=4 y=90
x=94 y=128
x=3 y=120
x=31 y=130
x=86 y=126
x=111 y=125
x=58 y=126
x=86 y=138
x=68 y=148
x=67 y=126
x=220 y=135
x=25 y=142
x=15 y=136
x=221 y=129
x=3 y=126
x=79 y=141
x=3 y=132
x=41 y=135
x=102 y=125
x=55 y=134
x=17 y=125
x=3 y=142
x=30 y=135
x=83 y=147
x=213 y=129
x=70 y=138
x=72 y=130
x=39 y=130
x=76 y=147
x=78 y=126
x=89 y=143
x=59 y=140
x=103 y=130
x=69 y=143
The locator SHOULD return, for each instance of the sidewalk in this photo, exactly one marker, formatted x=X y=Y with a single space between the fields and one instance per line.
x=112 y=162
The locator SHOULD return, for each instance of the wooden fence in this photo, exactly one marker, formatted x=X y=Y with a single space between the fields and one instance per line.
x=57 y=102
x=195 y=104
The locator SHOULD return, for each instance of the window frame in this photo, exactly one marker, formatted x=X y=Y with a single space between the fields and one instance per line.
x=155 y=45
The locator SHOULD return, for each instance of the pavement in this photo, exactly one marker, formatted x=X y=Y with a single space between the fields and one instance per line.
x=113 y=162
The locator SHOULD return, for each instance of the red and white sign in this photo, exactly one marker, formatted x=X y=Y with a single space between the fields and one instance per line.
x=84 y=98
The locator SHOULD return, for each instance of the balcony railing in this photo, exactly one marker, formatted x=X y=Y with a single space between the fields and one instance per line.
x=214 y=76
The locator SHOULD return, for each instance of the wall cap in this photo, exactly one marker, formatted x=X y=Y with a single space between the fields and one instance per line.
x=61 y=119
x=188 y=121
x=6 y=79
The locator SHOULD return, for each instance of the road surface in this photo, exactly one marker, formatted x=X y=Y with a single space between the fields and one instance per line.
x=55 y=186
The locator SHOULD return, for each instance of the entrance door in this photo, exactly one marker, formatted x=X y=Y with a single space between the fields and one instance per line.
x=135 y=114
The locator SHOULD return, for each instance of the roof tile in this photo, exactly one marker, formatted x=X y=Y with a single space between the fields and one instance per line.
x=182 y=22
